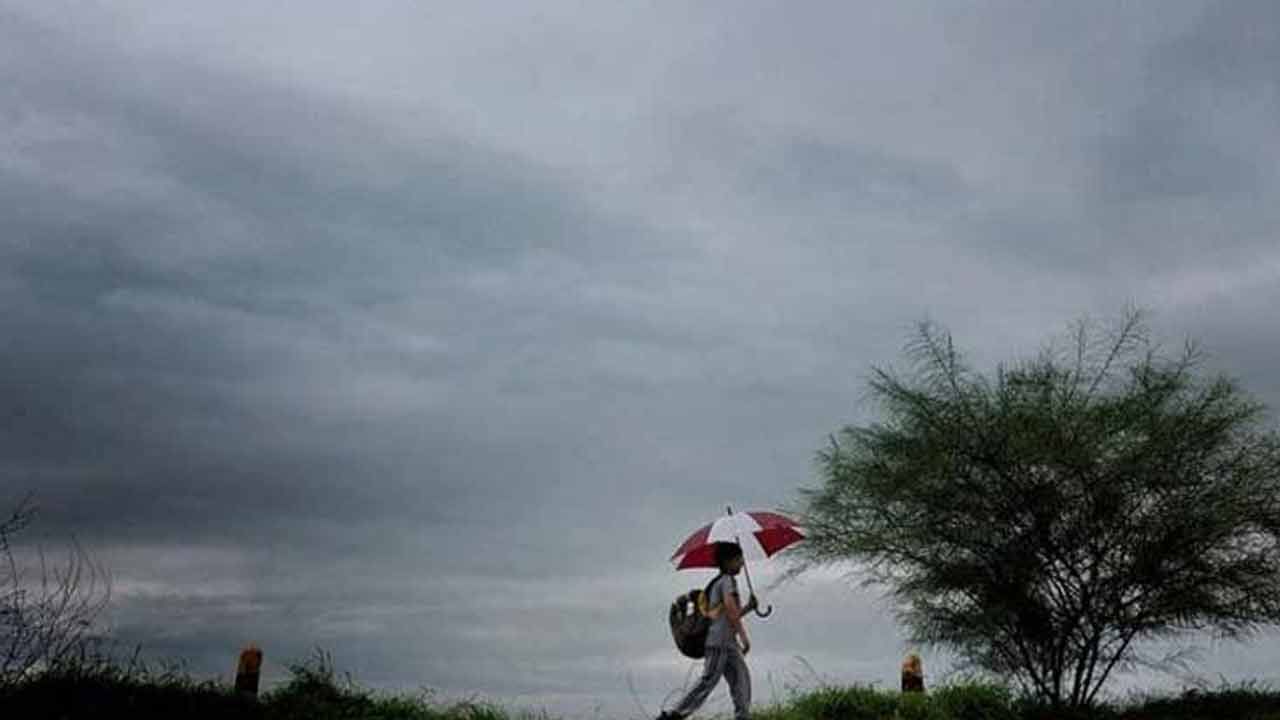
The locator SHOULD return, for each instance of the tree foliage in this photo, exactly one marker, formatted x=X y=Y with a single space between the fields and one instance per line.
x=1041 y=522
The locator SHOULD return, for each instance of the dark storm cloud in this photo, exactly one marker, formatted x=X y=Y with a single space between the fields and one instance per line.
x=172 y=373
x=125 y=349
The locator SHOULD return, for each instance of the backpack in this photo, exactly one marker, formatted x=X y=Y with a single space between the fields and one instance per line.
x=689 y=622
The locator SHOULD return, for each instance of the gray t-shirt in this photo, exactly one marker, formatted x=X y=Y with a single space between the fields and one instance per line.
x=721 y=632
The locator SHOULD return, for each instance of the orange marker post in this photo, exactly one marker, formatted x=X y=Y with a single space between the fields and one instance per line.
x=248 y=670
x=912 y=674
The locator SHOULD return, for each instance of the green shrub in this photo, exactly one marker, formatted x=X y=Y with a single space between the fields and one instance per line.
x=100 y=686
x=917 y=706
x=846 y=703
x=975 y=701
x=1245 y=701
x=315 y=693
x=1037 y=711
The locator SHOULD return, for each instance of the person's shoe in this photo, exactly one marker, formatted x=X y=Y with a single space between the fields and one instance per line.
x=668 y=715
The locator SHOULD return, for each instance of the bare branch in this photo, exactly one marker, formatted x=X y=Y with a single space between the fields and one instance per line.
x=47 y=621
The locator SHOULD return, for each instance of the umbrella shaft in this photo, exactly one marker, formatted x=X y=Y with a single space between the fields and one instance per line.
x=729 y=511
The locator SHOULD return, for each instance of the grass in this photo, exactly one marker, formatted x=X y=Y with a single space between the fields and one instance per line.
x=93 y=687
x=974 y=701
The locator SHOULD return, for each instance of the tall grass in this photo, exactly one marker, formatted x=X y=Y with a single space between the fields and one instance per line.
x=859 y=702
x=1247 y=701
x=101 y=686
x=97 y=686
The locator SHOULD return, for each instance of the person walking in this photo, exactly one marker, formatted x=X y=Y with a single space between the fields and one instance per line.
x=725 y=657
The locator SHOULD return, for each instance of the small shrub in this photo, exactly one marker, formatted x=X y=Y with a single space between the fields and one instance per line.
x=975 y=702
x=846 y=703
x=917 y=706
x=1245 y=701
x=102 y=686
x=1028 y=709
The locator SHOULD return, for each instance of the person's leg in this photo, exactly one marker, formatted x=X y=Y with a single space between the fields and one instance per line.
x=712 y=668
x=739 y=678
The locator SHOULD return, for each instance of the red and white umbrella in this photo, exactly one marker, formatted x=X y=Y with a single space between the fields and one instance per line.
x=761 y=534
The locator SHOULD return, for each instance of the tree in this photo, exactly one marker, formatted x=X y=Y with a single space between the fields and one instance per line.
x=47 y=620
x=1042 y=522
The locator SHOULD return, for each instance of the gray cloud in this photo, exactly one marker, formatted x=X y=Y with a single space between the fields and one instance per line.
x=425 y=335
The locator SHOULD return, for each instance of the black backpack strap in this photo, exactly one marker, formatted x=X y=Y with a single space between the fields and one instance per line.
x=707 y=590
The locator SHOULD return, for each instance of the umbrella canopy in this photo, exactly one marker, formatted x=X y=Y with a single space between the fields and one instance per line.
x=762 y=533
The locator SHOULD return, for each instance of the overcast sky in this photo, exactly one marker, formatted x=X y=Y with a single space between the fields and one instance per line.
x=424 y=333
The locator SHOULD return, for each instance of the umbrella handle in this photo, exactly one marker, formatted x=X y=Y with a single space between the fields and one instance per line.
x=767 y=611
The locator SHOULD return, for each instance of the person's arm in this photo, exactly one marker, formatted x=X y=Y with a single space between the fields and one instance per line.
x=735 y=620
x=744 y=611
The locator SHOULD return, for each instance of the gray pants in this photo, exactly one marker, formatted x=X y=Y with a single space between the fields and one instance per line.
x=726 y=661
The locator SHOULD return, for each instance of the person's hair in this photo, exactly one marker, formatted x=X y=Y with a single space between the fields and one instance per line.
x=726 y=551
